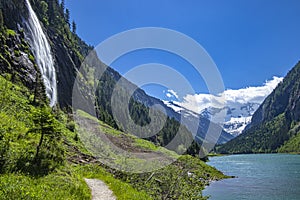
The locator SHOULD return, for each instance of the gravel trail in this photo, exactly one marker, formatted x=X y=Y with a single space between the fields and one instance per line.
x=99 y=189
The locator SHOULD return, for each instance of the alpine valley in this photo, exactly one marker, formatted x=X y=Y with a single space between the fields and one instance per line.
x=61 y=124
x=44 y=152
x=274 y=126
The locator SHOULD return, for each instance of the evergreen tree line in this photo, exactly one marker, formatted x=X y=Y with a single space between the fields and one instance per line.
x=54 y=13
x=141 y=123
x=275 y=122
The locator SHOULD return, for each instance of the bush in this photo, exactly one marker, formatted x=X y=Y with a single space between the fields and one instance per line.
x=71 y=126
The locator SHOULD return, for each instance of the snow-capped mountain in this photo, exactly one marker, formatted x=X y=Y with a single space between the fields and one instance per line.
x=237 y=117
x=237 y=105
x=181 y=110
x=192 y=119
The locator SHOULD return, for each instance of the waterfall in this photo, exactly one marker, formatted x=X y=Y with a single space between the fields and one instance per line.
x=42 y=52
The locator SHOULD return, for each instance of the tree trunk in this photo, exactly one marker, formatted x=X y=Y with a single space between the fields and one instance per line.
x=39 y=147
x=35 y=89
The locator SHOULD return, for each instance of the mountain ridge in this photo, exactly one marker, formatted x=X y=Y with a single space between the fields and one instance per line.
x=238 y=110
x=42 y=154
x=274 y=123
x=69 y=46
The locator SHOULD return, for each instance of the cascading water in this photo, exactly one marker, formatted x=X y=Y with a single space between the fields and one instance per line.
x=42 y=52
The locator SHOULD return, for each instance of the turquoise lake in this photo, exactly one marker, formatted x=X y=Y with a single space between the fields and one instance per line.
x=259 y=176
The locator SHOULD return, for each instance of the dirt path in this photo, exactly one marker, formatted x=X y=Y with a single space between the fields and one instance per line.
x=99 y=189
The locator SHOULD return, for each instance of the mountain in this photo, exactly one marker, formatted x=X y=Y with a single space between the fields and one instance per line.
x=236 y=119
x=240 y=105
x=69 y=52
x=204 y=121
x=197 y=125
x=17 y=54
x=41 y=142
x=274 y=126
x=238 y=116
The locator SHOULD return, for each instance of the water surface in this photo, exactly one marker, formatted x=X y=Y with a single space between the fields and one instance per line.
x=259 y=176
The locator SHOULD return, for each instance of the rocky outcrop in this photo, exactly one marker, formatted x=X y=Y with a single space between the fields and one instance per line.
x=66 y=64
x=13 y=12
x=17 y=59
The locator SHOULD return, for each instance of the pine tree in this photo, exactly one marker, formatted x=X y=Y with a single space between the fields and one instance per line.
x=67 y=16
x=45 y=125
x=62 y=5
x=74 y=27
x=51 y=11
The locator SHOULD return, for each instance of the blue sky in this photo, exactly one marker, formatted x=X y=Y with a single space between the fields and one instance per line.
x=249 y=40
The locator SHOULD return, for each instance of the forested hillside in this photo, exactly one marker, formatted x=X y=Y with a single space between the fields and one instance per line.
x=67 y=45
x=41 y=153
x=275 y=125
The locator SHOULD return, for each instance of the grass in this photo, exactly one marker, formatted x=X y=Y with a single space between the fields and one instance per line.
x=10 y=32
x=86 y=115
x=121 y=189
x=58 y=185
x=66 y=180
x=65 y=184
x=145 y=144
x=135 y=141
x=292 y=145
x=170 y=182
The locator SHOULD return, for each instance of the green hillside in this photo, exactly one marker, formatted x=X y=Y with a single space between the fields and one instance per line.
x=42 y=154
x=275 y=125
x=58 y=170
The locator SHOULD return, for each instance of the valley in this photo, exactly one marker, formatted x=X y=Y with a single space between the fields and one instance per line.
x=70 y=122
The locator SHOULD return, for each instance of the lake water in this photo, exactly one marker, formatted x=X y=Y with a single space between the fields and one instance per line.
x=259 y=177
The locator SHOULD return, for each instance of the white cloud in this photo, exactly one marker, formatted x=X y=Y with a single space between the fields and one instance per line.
x=169 y=95
x=252 y=94
x=198 y=102
x=172 y=93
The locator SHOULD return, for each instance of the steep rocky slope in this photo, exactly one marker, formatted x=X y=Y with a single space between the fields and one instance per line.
x=41 y=153
x=69 y=52
x=275 y=122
